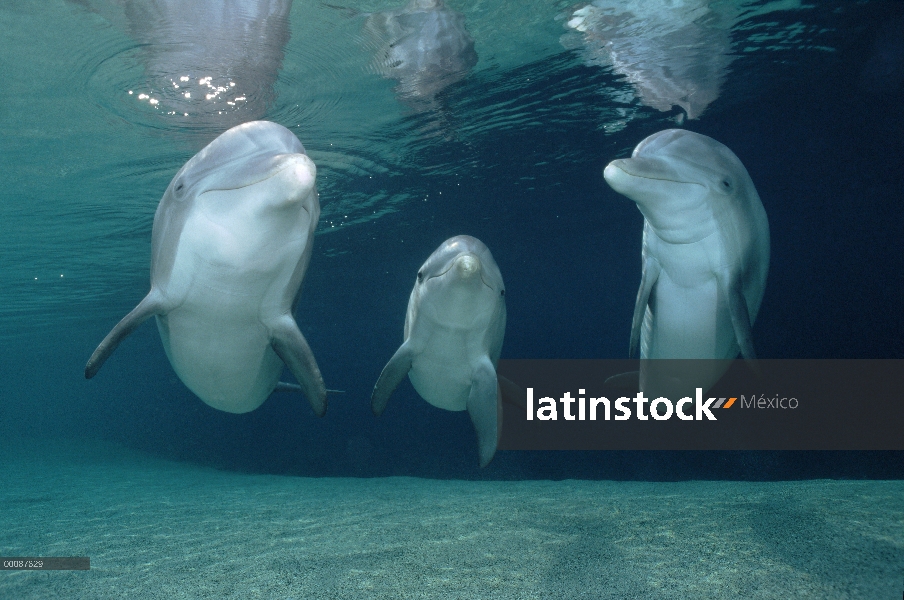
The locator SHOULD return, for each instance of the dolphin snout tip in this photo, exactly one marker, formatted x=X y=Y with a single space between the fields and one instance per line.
x=618 y=178
x=302 y=165
x=611 y=171
x=467 y=265
x=299 y=170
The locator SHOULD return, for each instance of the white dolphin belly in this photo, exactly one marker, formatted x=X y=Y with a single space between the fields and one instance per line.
x=224 y=357
x=687 y=321
x=442 y=370
x=217 y=337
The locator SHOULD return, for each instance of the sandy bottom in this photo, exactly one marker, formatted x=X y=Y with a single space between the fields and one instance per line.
x=160 y=529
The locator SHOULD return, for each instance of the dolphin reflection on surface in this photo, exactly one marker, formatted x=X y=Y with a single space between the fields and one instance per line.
x=674 y=53
x=424 y=46
x=208 y=64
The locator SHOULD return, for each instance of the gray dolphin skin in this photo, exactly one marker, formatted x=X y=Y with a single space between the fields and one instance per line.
x=231 y=242
x=453 y=337
x=705 y=257
x=424 y=46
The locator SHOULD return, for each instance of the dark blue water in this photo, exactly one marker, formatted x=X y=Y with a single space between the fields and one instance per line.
x=816 y=121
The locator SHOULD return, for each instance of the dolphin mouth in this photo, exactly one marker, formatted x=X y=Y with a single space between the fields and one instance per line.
x=289 y=161
x=484 y=282
x=454 y=261
x=648 y=176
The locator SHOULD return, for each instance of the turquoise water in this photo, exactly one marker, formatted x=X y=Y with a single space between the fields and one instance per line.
x=86 y=162
x=510 y=150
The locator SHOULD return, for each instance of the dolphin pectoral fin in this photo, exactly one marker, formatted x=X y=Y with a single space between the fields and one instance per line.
x=147 y=308
x=511 y=392
x=483 y=407
x=393 y=374
x=651 y=270
x=289 y=344
x=740 y=321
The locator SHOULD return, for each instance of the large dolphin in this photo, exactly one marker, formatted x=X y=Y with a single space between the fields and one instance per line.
x=705 y=257
x=453 y=337
x=231 y=242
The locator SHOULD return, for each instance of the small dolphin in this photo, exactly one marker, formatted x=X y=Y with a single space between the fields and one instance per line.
x=705 y=257
x=453 y=337
x=231 y=242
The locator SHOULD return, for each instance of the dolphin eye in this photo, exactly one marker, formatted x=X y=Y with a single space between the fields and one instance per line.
x=179 y=186
x=420 y=276
x=502 y=293
x=726 y=185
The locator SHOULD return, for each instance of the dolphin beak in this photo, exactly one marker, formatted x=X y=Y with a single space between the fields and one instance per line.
x=303 y=170
x=617 y=176
x=257 y=170
x=644 y=168
x=295 y=166
x=632 y=176
x=467 y=266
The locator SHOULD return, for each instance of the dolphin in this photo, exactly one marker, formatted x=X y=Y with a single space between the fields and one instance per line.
x=453 y=337
x=705 y=258
x=231 y=242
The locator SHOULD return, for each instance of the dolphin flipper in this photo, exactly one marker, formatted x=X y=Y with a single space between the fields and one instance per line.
x=511 y=392
x=740 y=317
x=483 y=406
x=151 y=305
x=651 y=270
x=289 y=344
x=393 y=374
